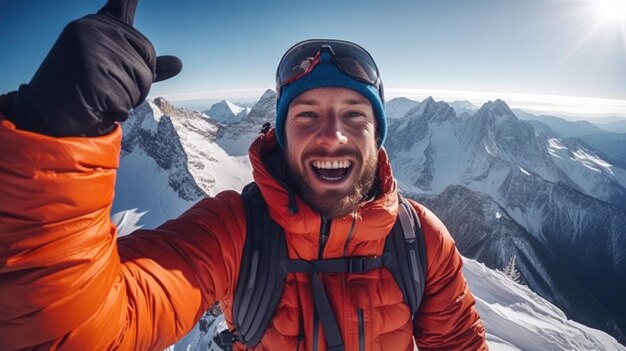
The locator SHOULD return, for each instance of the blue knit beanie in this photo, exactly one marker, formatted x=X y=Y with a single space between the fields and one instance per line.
x=327 y=74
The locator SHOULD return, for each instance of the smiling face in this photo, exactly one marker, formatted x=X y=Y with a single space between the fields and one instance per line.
x=331 y=148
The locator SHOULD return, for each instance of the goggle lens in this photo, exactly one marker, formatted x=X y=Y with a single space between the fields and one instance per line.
x=351 y=59
x=356 y=63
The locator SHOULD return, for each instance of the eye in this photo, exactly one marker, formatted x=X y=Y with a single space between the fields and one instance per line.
x=307 y=114
x=354 y=114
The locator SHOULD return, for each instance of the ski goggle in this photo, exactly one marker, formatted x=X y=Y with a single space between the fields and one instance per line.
x=350 y=58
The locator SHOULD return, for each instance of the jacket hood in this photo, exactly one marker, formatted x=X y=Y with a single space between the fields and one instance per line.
x=289 y=210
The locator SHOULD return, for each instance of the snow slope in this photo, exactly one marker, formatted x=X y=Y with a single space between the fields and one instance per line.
x=518 y=319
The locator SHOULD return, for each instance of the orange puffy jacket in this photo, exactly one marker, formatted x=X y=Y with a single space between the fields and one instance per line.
x=68 y=283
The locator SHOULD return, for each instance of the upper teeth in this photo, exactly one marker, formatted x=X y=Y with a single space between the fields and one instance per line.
x=331 y=164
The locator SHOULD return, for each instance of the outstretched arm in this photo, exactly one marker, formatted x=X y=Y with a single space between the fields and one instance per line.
x=65 y=280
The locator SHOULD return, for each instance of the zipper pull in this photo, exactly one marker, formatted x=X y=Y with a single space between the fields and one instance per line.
x=324 y=233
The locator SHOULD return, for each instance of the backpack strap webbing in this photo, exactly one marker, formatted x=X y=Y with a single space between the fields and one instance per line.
x=265 y=264
x=320 y=299
x=406 y=249
x=261 y=279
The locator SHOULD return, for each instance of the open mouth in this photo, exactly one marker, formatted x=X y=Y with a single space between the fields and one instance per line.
x=332 y=171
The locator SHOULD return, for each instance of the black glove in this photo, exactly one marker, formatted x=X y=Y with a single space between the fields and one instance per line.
x=96 y=72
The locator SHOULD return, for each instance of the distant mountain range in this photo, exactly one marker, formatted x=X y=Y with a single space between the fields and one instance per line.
x=507 y=189
x=503 y=187
x=606 y=135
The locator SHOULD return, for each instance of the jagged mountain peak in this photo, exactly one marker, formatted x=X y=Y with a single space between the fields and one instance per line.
x=268 y=94
x=398 y=107
x=429 y=100
x=497 y=113
x=226 y=112
x=437 y=111
x=431 y=111
x=496 y=109
x=463 y=108
x=419 y=122
x=464 y=104
x=264 y=109
x=227 y=104
x=496 y=134
x=401 y=100
x=165 y=106
x=495 y=123
x=237 y=137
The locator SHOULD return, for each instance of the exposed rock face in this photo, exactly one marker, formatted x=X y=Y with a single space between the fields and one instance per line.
x=561 y=206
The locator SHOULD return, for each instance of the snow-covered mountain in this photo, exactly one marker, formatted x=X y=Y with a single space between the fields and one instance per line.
x=226 y=112
x=172 y=157
x=433 y=148
x=237 y=137
x=485 y=231
x=562 y=207
x=615 y=124
x=463 y=108
x=560 y=125
x=611 y=143
x=398 y=107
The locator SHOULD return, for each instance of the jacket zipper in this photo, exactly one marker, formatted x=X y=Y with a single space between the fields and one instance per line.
x=324 y=232
x=350 y=236
x=361 y=322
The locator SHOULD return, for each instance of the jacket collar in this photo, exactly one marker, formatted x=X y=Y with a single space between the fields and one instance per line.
x=291 y=212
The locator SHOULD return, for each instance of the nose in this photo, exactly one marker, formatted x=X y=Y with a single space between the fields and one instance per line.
x=330 y=134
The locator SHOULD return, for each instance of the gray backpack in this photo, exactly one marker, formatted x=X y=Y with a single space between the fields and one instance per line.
x=265 y=265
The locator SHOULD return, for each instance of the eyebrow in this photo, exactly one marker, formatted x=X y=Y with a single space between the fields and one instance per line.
x=314 y=102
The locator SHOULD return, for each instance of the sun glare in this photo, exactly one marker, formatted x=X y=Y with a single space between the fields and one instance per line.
x=612 y=10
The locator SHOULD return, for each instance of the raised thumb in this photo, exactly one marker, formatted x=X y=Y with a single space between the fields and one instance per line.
x=123 y=10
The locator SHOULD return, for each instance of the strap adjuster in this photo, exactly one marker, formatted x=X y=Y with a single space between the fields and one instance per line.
x=356 y=265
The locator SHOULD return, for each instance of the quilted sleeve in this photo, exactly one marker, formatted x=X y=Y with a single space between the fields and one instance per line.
x=68 y=283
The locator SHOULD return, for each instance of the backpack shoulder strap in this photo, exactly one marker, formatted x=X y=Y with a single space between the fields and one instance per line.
x=261 y=279
x=406 y=246
x=265 y=263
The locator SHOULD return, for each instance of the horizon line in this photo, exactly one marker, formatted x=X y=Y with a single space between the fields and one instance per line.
x=570 y=106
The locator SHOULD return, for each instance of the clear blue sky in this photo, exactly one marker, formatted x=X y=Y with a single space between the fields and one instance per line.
x=558 y=48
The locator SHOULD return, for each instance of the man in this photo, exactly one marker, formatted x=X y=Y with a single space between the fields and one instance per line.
x=67 y=282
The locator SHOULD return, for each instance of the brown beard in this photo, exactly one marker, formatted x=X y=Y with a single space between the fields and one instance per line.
x=334 y=203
